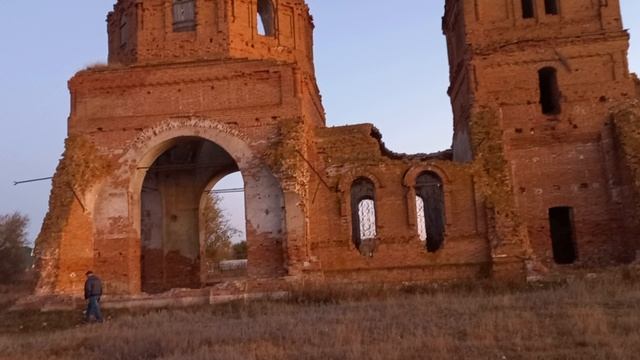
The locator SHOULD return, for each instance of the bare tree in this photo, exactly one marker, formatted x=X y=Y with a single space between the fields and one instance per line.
x=218 y=231
x=15 y=255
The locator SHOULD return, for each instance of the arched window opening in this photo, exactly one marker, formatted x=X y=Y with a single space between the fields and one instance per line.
x=528 y=9
x=363 y=213
x=551 y=7
x=549 y=91
x=266 y=19
x=184 y=15
x=430 y=192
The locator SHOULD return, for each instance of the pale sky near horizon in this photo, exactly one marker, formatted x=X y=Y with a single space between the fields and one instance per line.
x=374 y=64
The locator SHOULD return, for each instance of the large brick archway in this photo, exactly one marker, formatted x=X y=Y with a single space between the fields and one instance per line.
x=264 y=201
x=171 y=211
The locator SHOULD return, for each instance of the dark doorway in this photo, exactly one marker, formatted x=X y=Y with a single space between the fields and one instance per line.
x=549 y=91
x=562 y=235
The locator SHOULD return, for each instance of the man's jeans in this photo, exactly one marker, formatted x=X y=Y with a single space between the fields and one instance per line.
x=93 y=308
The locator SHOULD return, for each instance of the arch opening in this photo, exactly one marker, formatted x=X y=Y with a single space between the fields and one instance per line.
x=223 y=227
x=173 y=248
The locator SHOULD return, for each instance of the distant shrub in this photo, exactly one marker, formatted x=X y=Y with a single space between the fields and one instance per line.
x=15 y=255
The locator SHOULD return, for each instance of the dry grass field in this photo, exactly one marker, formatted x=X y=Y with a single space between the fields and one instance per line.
x=589 y=318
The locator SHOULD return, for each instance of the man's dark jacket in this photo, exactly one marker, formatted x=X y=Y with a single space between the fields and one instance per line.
x=92 y=287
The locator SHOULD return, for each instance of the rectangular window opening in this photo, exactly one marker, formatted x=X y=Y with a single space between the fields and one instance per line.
x=549 y=91
x=184 y=15
x=563 y=235
x=528 y=9
x=551 y=7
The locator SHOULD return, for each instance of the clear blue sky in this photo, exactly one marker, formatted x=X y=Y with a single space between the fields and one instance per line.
x=374 y=63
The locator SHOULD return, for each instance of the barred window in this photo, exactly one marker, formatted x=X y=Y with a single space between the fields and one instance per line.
x=363 y=211
x=421 y=221
x=367 y=219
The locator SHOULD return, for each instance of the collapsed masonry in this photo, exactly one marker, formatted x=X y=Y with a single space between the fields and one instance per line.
x=544 y=170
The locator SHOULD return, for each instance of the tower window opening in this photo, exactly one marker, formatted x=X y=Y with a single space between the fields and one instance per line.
x=184 y=15
x=551 y=7
x=363 y=215
x=549 y=91
x=266 y=19
x=528 y=9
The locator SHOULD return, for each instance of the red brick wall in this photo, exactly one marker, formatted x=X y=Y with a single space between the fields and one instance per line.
x=352 y=152
x=556 y=160
x=257 y=98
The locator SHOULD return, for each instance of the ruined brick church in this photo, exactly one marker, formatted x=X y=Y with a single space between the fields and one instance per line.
x=543 y=174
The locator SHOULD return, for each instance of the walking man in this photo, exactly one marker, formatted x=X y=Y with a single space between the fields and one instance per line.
x=92 y=293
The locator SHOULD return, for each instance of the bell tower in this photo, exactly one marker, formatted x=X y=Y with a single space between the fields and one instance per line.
x=162 y=31
x=550 y=71
x=194 y=90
